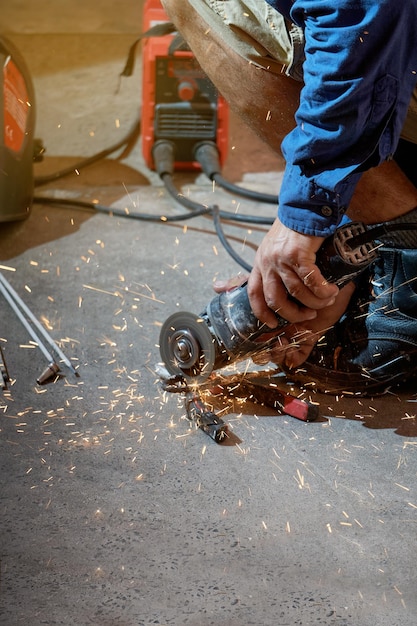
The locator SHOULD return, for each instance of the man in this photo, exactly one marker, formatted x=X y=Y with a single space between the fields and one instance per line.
x=347 y=69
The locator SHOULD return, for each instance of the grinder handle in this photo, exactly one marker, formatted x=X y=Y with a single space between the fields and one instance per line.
x=231 y=314
x=338 y=261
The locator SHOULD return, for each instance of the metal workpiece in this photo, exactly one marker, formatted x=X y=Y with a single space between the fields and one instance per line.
x=205 y=419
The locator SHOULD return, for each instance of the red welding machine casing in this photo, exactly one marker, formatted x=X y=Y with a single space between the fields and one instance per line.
x=17 y=113
x=179 y=103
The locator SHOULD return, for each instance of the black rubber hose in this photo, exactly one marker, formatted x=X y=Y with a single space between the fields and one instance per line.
x=223 y=240
x=207 y=155
x=100 y=208
x=43 y=180
x=163 y=153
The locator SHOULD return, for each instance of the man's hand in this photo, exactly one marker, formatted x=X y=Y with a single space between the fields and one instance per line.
x=296 y=341
x=285 y=278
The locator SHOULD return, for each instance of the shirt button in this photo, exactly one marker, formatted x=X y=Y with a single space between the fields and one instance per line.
x=326 y=211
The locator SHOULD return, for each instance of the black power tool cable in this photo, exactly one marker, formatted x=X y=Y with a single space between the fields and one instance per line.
x=224 y=241
x=43 y=180
x=101 y=208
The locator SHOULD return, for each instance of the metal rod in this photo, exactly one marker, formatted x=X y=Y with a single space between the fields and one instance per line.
x=25 y=323
x=18 y=300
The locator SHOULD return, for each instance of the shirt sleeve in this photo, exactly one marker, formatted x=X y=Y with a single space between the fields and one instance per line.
x=359 y=74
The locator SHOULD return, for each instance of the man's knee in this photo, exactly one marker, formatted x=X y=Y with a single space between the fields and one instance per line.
x=187 y=20
x=174 y=8
x=167 y=3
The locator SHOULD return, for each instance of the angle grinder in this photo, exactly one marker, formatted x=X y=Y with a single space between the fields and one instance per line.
x=193 y=346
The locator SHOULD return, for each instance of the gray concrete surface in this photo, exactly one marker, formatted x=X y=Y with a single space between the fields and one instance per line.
x=114 y=511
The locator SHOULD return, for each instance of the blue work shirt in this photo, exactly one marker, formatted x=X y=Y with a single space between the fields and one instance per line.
x=359 y=74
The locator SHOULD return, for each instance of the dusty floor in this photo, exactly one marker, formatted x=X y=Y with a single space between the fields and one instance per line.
x=113 y=510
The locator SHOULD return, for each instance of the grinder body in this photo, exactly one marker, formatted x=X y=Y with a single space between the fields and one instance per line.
x=227 y=330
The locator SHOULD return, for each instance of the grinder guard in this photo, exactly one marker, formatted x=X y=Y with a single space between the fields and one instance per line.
x=194 y=346
x=187 y=347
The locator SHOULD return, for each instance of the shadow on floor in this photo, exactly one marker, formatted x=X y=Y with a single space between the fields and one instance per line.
x=104 y=182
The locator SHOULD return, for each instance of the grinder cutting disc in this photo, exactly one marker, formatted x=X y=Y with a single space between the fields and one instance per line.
x=187 y=346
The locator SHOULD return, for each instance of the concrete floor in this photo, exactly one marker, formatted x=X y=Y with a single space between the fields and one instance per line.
x=113 y=510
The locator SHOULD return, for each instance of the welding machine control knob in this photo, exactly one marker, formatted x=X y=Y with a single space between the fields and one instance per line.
x=186 y=90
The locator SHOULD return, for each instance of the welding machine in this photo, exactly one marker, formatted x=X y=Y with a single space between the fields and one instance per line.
x=179 y=103
x=17 y=112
